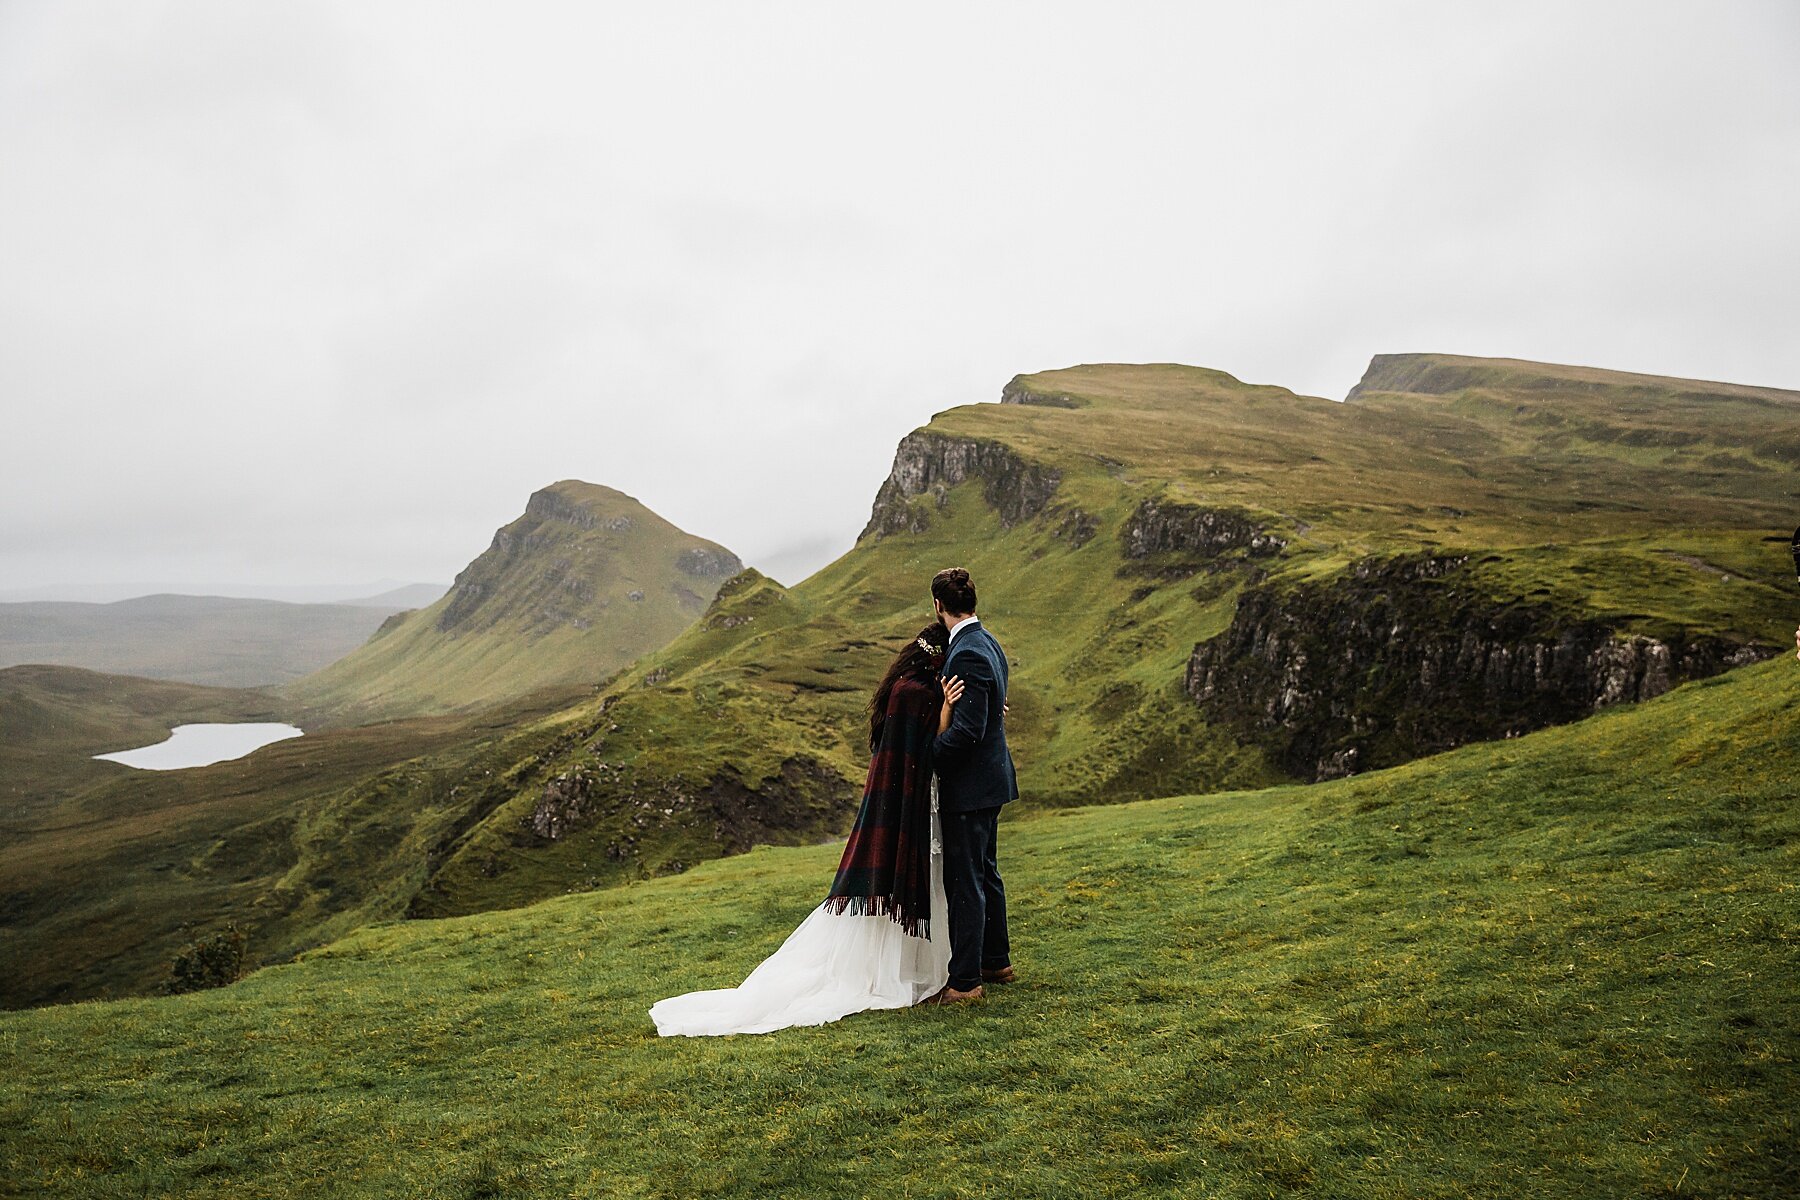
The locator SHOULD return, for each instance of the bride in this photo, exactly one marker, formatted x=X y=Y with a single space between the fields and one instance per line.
x=881 y=938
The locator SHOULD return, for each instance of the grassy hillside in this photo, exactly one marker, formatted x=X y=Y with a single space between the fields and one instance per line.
x=106 y=871
x=584 y=582
x=1564 y=965
x=217 y=640
x=1113 y=516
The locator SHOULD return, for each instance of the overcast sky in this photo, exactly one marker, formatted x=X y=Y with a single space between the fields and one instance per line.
x=319 y=293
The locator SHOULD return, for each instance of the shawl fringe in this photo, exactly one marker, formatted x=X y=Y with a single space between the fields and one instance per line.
x=915 y=924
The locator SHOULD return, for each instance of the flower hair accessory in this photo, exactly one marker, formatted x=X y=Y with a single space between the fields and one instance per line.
x=926 y=646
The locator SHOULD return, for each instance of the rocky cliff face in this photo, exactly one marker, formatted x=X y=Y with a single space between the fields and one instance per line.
x=1159 y=527
x=709 y=563
x=1402 y=657
x=930 y=464
x=548 y=517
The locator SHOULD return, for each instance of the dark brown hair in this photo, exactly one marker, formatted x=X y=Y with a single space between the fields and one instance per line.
x=913 y=659
x=953 y=589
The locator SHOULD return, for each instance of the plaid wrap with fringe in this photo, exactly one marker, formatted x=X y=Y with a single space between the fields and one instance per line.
x=886 y=868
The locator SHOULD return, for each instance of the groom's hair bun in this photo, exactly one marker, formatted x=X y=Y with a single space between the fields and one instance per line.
x=954 y=590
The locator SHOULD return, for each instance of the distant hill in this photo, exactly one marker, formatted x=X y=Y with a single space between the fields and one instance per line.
x=1450 y=374
x=582 y=584
x=216 y=640
x=299 y=593
x=412 y=595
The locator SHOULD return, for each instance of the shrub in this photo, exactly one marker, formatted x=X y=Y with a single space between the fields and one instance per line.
x=212 y=961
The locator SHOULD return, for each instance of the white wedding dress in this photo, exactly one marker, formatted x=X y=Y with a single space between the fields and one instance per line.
x=833 y=965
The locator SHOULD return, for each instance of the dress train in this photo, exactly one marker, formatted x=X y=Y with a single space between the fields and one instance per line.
x=833 y=965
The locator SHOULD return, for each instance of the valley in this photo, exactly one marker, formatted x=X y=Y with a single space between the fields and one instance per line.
x=1204 y=586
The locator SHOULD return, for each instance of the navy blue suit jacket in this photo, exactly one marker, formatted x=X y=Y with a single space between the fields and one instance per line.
x=974 y=766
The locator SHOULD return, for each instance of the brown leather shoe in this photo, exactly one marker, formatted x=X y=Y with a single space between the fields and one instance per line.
x=998 y=975
x=949 y=995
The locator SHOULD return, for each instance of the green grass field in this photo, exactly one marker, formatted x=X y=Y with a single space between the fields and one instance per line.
x=1561 y=965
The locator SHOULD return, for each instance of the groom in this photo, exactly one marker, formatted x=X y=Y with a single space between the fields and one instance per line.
x=975 y=777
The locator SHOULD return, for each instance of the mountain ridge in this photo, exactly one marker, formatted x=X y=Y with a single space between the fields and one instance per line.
x=1116 y=517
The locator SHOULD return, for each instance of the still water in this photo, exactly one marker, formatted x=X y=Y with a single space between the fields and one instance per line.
x=198 y=745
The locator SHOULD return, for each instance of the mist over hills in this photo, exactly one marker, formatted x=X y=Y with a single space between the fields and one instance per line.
x=1203 y=584
x=215 y=640
x=380 y=593
x=410 y=595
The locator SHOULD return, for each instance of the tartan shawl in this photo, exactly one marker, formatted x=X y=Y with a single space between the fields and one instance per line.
x=886 y=869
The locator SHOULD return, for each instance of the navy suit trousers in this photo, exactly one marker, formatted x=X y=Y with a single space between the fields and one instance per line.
x=978 y=939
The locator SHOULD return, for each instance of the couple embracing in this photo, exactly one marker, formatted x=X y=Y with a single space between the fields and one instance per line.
x=917 y=913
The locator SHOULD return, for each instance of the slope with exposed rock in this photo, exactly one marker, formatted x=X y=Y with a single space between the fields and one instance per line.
x=1202 y=583
x=581 y=584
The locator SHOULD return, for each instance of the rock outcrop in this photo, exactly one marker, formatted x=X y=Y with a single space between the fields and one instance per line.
x=803 y=796
x=562 y=806
x=1402 y=657
x=1018 y=392
x=709 y=563
x=1191 y=530
x=930 y=464
x=392 y=622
